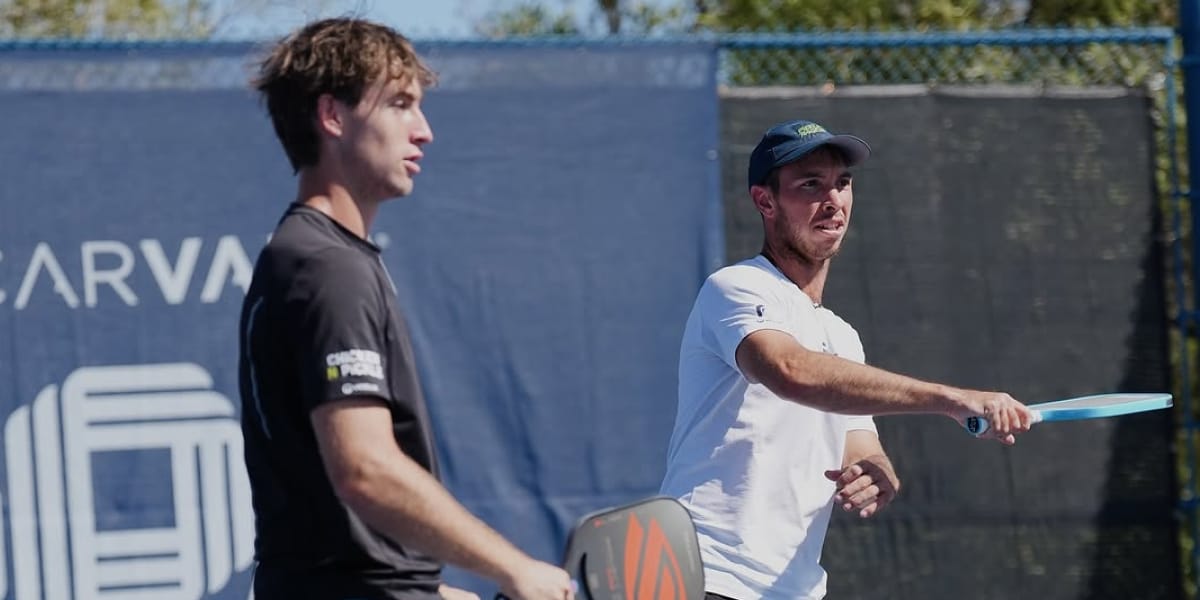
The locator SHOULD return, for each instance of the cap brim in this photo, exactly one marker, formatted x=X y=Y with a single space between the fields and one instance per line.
x=853 y=148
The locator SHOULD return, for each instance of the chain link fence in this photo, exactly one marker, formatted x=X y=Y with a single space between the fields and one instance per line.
x=1130 y=57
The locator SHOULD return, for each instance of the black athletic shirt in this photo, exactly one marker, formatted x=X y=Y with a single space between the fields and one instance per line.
x=320 y=324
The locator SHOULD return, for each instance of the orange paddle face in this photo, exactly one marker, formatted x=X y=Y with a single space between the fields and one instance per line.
x=643 y=551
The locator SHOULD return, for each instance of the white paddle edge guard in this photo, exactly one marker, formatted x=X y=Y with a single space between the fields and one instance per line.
x=978 y=426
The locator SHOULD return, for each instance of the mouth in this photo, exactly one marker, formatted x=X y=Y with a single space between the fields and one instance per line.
x=410 y=163
x=832 y=227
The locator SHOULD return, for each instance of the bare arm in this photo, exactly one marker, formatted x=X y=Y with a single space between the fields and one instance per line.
x=867 y=482
x=452 y=593
x=837 y=385
x=834 y=384
x=396 y=496
x=861 y=444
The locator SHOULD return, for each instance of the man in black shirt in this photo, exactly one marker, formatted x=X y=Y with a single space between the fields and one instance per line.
x=338 y=445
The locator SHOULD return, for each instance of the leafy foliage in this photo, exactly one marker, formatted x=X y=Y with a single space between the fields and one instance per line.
x=640 y=17
x=107 y=18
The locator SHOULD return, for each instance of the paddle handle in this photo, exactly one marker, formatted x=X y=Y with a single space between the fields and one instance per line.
x=978 y=426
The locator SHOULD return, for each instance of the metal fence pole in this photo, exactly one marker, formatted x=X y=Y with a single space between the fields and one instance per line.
x=1189 y=64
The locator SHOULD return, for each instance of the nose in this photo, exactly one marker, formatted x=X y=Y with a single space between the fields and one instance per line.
x=423 y=132
x=834 y=200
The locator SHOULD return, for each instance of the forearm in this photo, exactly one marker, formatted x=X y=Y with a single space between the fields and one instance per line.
x=831 y=384
x=837 y=385
x=401 y=499
x=862 y=444
x=867 y=480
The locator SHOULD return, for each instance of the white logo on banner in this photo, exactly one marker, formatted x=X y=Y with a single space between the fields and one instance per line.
x=59 y=553
x=117 y=272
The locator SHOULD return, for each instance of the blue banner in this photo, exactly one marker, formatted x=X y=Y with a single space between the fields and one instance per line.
x=567 y=211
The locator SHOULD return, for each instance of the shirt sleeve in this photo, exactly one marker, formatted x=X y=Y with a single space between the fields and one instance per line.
x=733 y=305
x=856 y=422
x=340 y=321
x=861 y=422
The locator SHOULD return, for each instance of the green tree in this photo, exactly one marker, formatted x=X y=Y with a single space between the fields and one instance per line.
x=643 y=17
x=1078 y=65
x=728 y=15
x=1105 y=13
x=106 y=18
x=758 y=15
x=528 y=20
x=536 y=18
x=175 y=19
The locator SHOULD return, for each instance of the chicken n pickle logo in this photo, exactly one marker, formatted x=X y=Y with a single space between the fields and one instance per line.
x=83 y=525
x=353 y=363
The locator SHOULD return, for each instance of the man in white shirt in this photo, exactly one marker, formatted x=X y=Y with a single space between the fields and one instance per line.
x=774 y=421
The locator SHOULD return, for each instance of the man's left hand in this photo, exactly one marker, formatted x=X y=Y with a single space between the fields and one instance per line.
x=453 y=593
x=866 y=486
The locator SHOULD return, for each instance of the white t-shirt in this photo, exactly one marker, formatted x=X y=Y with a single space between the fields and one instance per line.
x=748 y=464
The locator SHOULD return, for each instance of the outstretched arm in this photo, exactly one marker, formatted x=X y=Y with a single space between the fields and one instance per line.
x=396 y=496
x=837 y=385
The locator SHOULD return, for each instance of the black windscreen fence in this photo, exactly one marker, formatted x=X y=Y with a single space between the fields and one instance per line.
x=1006 y=239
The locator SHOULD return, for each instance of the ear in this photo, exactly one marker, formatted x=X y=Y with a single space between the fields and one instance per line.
x=329 y=115
x=763 y=200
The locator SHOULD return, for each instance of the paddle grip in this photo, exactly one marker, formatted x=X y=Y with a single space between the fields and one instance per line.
x=978 y=426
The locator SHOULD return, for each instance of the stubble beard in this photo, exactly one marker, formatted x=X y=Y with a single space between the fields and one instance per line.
x=793 y=248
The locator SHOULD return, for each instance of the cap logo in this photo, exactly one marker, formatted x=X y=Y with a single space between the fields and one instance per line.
x=809 y=129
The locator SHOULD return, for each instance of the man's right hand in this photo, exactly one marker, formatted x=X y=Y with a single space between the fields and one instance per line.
x=536 y=580
x=1006 y=417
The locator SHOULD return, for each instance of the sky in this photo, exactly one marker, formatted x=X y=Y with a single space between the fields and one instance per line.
x=420 y=19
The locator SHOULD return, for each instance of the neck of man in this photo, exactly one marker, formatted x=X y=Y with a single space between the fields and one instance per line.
x=330 y=195
x=808 y=275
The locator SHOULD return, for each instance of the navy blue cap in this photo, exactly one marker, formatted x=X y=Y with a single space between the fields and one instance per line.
x=791 y=141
